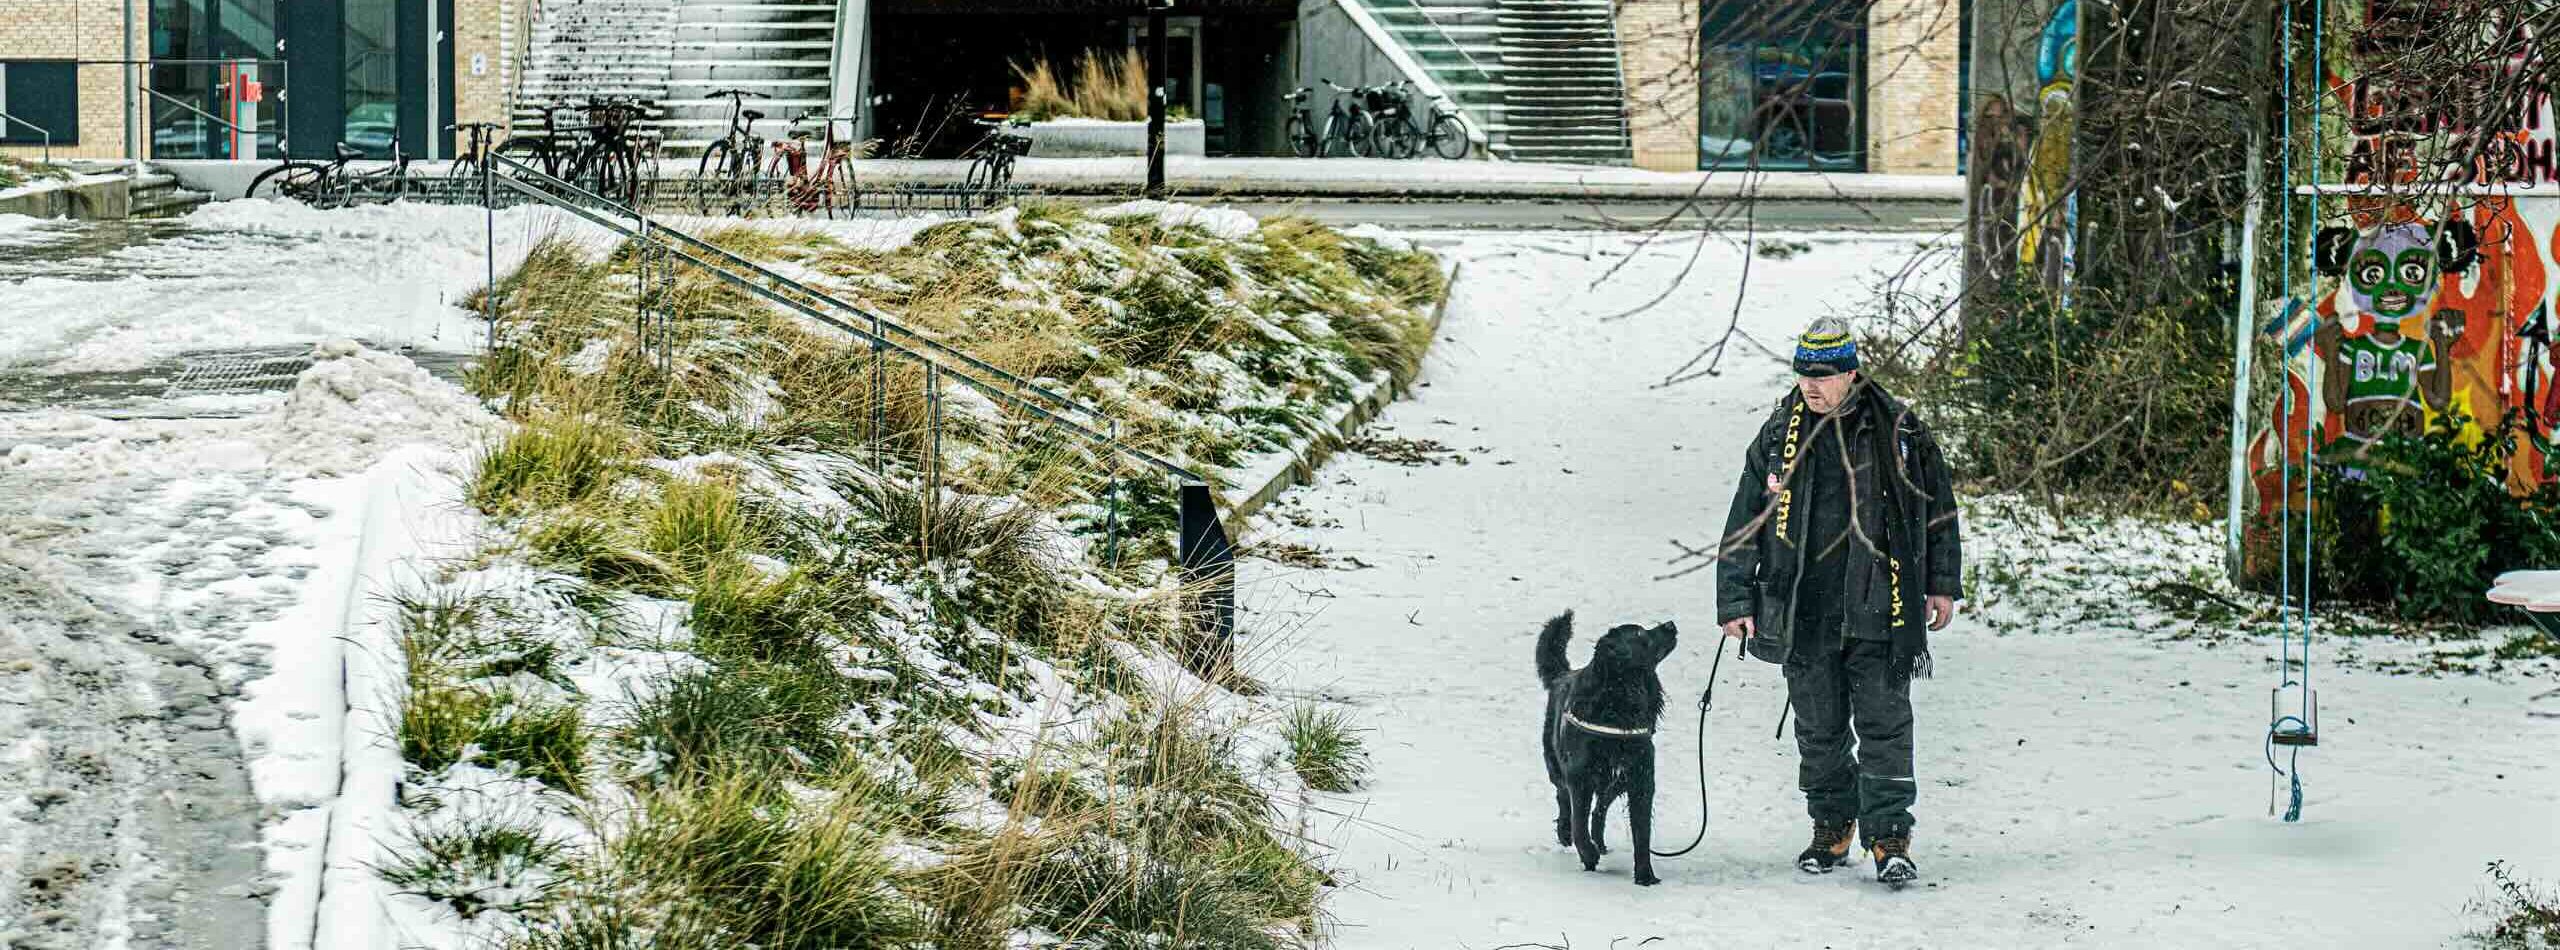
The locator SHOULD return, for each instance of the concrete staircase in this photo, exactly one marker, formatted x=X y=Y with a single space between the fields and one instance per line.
x=1564 y=97
x=1541 y=77
x=157 y=195
x=784 y=49
x=583 y=48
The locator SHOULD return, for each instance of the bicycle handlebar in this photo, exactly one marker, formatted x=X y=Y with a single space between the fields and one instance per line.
x=736 y=94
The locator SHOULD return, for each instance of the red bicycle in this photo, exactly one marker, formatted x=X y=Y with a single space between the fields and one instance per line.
x=827 y=185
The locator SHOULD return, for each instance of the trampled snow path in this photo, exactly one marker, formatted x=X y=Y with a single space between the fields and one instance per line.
x=2079 y=786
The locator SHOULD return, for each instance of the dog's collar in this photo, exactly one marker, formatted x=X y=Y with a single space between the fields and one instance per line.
x=1576 y=722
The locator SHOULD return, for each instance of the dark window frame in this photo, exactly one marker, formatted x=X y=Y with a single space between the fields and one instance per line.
x=59 y=104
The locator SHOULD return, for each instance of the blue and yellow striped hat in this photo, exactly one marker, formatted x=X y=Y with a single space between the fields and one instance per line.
x=1826 y=349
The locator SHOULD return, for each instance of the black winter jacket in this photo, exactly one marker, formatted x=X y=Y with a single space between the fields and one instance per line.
x=1914 y=505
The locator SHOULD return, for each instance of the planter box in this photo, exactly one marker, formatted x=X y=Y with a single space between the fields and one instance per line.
x=1080 y=138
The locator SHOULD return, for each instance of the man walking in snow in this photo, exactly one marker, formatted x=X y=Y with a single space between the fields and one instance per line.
x=1842 y=532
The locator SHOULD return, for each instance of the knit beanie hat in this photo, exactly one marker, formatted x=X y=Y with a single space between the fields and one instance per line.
x=1826 y=348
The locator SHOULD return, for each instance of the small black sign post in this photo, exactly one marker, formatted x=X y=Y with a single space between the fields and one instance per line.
x=1156 y=95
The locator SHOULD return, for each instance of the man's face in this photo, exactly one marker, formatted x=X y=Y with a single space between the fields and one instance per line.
x=1825 y=393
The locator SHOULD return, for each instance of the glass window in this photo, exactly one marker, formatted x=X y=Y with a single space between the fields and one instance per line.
x=203 y=101
x=372 y=75
x=1783 y=91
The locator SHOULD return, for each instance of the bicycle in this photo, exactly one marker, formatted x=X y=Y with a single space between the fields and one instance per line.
x=725 y=177
x=608 y=162
x=991 y=160
x=1444 y=135
x=476 y=144
x=830 y=184
x=1353 y=127
x=332 y=185
x=1397 y=136
x=542 y=150
x=1301 y=127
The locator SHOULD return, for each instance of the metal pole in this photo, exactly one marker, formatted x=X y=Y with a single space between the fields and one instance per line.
x=132 y=104
x=1156 y=82
x=1111 y=502
x=489 y=229
x=2244 y=330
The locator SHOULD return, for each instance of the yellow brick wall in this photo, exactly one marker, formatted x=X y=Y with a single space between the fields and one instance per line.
x=483 y=29
x=1913 y=53
x=1657 y=44
x=78 y=29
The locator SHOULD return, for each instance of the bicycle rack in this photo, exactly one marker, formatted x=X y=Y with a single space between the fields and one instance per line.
x=1206 y=555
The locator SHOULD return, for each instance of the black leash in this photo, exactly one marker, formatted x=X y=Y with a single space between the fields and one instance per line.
x=1706 y=701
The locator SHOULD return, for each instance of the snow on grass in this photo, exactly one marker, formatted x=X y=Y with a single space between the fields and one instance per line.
x=2030 y=572
x=828 y=632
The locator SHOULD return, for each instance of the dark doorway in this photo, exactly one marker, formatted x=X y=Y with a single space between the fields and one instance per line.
x=941 y=67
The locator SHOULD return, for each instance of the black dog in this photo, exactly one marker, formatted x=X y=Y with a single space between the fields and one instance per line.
x=1598 y=734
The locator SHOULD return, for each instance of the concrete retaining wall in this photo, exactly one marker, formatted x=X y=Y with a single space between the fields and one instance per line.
x=1084 y=138
x=94 y=199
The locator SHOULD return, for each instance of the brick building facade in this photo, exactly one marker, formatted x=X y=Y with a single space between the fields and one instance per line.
x=67 y=30
x=485 y=41
x=1910 y=80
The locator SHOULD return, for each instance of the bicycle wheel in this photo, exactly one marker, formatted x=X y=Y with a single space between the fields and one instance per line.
x=529 y=151
x=1397 y=138
x=297 y=181
x=710 y=175
x=835 y=184
x=1448 y=138
x=1302 y=136
x=982 y=173
x=1362 y=136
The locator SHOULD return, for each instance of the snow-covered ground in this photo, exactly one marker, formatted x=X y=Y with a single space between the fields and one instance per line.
x=2082 y=784
x=248 y=274
x=173 y=587
x=168 y=585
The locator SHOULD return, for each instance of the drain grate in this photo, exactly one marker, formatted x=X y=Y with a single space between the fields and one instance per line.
x=234 y=373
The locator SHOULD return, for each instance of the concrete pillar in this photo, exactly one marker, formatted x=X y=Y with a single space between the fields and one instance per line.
x=849 y=79
x=1658 y=53
x=1913 y=53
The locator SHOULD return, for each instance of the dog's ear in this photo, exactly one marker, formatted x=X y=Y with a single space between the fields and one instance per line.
x=1663 y=638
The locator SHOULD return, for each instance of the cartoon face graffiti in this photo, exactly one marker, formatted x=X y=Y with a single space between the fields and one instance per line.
x=2392 y=272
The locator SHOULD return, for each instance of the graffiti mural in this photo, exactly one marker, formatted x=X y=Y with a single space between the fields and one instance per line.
x=2049 y=210
x=2418 y=308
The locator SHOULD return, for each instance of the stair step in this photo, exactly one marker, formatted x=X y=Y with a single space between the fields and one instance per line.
x=682 y=63
x=754 y=44
x=711 y=25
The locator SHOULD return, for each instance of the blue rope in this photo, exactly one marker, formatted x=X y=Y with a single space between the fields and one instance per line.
x=2294 y=606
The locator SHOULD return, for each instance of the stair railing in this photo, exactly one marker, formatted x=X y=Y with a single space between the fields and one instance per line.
x=1410 y=64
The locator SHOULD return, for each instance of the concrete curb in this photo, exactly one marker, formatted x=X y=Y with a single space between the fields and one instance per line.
x=1309 y=455
x=97 y=200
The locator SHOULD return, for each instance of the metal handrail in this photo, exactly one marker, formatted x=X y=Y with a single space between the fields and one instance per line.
x=1434 y=23
x=539 y=186
x=183 y=104
x=6 y=118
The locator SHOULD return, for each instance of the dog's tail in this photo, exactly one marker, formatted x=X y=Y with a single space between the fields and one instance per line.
x=1551 y=661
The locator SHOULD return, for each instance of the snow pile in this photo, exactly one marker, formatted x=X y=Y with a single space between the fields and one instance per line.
x=1227 y=223
x=355 y=404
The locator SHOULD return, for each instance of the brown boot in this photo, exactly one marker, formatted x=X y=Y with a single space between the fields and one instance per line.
x=1893 y=861
x=1830 y=847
